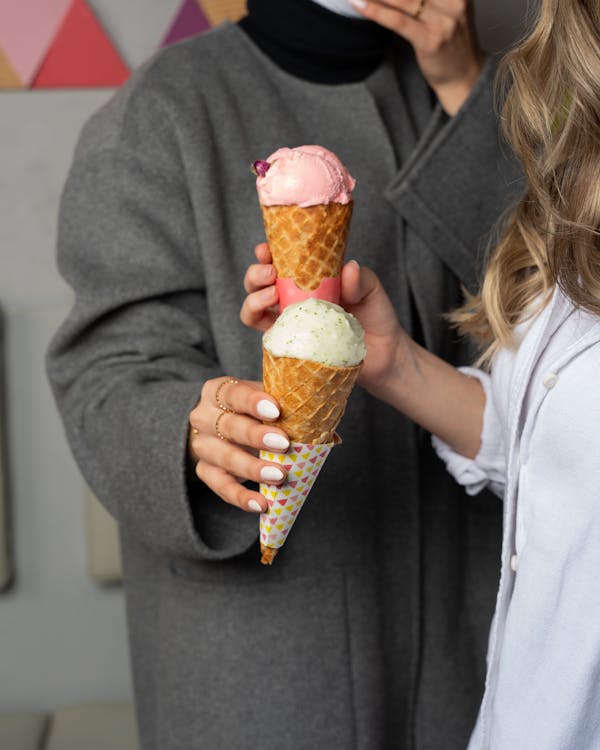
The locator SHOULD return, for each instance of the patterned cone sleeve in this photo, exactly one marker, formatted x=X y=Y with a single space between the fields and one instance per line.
x=302 y=462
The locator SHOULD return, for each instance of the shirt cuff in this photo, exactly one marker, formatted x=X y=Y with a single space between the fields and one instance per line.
x=488 y=468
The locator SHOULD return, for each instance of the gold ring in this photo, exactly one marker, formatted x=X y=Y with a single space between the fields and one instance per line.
x=417 y=14
x=218 y=419
x=220 y=404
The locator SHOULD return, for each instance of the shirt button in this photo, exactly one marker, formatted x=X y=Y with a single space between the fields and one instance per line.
x=514 y=563
x=550 y=380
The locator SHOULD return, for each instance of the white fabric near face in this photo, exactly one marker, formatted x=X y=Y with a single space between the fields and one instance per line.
x=343 y=7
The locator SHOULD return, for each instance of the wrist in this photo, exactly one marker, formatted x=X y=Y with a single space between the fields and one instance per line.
x=395 y=384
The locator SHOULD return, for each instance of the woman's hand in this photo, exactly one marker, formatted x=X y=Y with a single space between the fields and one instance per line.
x=259 y=308
x=437 y=396
x=388 y=346
x=396 y=370
x=442 y=34
x=225 y=435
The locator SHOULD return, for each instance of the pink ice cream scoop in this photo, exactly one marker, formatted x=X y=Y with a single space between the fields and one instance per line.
x=303 y=176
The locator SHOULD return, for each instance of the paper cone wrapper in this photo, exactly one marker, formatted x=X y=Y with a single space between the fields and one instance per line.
x=302 y=464
x=308 y=244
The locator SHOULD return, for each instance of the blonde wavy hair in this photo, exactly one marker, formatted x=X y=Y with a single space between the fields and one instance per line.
x=551 y=118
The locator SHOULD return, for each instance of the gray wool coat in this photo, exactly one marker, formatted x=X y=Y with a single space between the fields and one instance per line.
x=369 y=631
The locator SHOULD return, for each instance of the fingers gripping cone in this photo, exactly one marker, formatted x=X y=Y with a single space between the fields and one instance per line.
x=313 y=398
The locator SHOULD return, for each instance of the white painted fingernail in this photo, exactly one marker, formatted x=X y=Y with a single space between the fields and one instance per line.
x=274 y=440
x=359 y=3
x=267 y=409
x=271 y=474
x=253 y=505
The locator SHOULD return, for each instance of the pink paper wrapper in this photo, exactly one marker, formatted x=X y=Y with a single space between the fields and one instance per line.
x=328 y=290
x=302 y=462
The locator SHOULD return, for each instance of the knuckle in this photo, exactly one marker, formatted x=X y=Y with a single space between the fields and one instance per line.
x=196 y=445
x=251 y=274
x=253 y=302
x=200 y=470
x=205 y=453
x=206 y=387
x=249 y=434
x=449 y=28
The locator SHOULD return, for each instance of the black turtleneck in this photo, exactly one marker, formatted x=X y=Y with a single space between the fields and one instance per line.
x=313 y=43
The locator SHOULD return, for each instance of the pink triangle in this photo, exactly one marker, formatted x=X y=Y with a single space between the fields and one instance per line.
x=189 y=20
x=81 y=54
x=27 y=29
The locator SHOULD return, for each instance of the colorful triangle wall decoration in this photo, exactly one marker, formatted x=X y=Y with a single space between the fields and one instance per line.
x=189 y=21
x=8 y=77
x=27 y=28
x=61 y=44
x=195 y=16
x=218 y=11
x=81 y=54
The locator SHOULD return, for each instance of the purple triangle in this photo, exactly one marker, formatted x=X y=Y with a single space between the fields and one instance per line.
x=189 y=21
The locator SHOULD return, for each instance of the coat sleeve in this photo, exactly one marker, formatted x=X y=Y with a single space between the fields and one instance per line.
x=488 y=468
x=128 y=364
x=458 y=181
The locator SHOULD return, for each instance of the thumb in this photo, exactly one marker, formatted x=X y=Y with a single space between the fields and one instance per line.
x=357 y=283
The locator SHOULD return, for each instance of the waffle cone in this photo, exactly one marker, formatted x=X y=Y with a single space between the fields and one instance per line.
x=312 y=396
x=267 y=554
x=308 y=244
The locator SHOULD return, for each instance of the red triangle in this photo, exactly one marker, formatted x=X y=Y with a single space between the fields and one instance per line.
x=81 y=54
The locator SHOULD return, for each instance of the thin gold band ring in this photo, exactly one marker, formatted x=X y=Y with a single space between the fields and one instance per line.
x=220 y=404
x=217 y=421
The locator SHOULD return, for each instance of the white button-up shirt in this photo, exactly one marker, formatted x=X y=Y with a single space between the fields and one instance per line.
x=541 y=451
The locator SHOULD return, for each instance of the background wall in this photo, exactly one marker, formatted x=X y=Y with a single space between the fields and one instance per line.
x=62 y=638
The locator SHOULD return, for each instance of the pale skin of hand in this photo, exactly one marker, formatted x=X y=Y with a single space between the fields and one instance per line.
x=397 y=370
x=443 y=37
x=223 y=465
